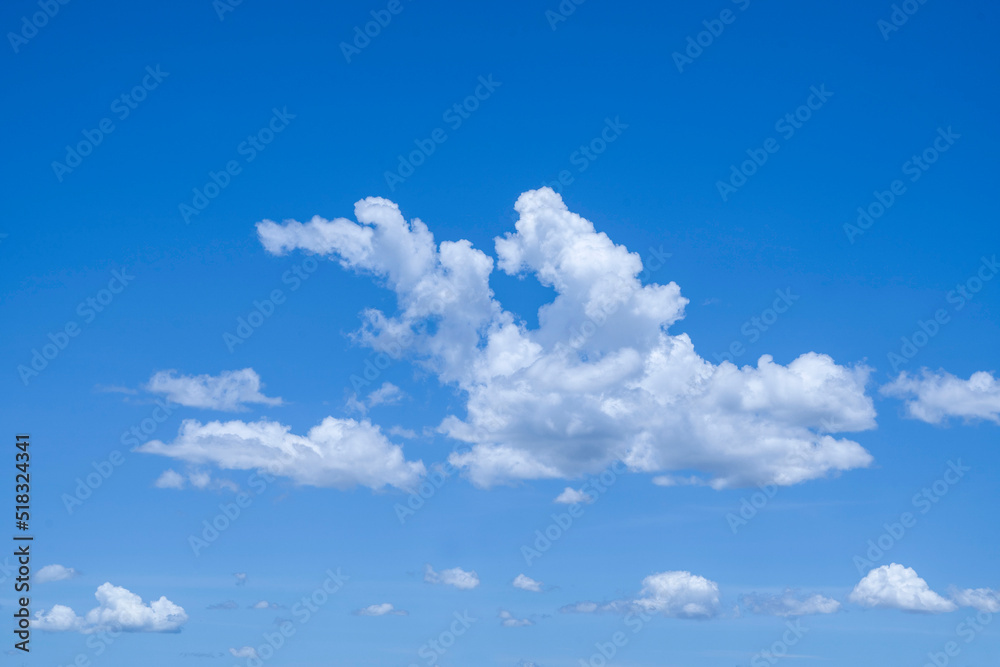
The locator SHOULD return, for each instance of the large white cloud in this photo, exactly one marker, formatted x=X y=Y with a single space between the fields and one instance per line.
x=118 y=609
x=342 y=453
x=896 y=587
x=600 y=379
x=229 y=391
x=933 y=397
x=679 y=594
x=789 y=604
x=455 y=576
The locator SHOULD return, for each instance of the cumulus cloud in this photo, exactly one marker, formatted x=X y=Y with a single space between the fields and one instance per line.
x=380 y=610
x=508 y=620
x=342 y=453
x=981 y=599
x=789 y=604
x=244 y=652
x=456 y=577
x=600 y=379
x=679 y=594
x=229 y=391
x=118 y=609
x=570 y=496
x=54 y=573
x=526 y=583
x=170 y=479
x=896 y=587
x=933 y=397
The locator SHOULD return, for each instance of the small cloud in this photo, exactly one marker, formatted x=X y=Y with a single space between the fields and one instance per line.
x=981 y=599
x=228 y=604
x=580 y=608
x=241 y=578
x=456 y=577
x=264 y=604
x=401 y=432
x=51 y=573
x=244 y=652
x=570 y=496
x=507 y=620
x=680 y=594
x=526 y=583
x=115 y=389
x=380 y=610
x=678 y=480
x=229 y=391
x=170 y=479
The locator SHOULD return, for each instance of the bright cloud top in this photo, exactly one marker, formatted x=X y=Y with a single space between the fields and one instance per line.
x=896 y=587
x=789 y=604
x=679 y=594
x=342 y=453
x=118 y=609
x=230 y=391
x=456 y=577
x=54 y=573
x=933 y=397
x=601 y=379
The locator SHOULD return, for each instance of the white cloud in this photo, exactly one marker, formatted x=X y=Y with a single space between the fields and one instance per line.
x=456 y=577
x=387 y=394
x=264 y=604
x=508 y=620
x=580 y=608
x=896 y=587
x=601 y=379
x=679 y=594
x=170 y=479
x=244 y=652
x=789 y=604
x=118 y=609
x=933 y=397
x=570 y=496
x=981 y=599
x=380 y=610
x=54 y=573
x=229 y=391
x=526 y=583
x=342 y=453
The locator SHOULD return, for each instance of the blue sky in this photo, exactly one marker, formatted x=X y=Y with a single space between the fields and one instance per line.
x=234 y=115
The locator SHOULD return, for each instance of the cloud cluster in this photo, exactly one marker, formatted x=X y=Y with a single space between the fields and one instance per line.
x=118 y=609
x=894 y=586
x=600 y=379
x=342 y=453
x=508 y=620
x=456 y=577
x=229 y=391
x=933 y=397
